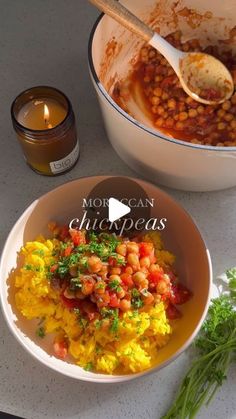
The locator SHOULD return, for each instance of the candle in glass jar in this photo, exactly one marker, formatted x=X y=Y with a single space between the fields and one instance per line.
x=45 y=125
x=41 y=114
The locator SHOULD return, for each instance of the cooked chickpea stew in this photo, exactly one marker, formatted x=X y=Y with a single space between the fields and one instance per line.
x=111 y=303
x=170 y=108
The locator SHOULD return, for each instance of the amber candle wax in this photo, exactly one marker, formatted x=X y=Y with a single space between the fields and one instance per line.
x=45 y=125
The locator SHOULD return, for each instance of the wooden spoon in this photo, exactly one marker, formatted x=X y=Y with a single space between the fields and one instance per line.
x=202 y=76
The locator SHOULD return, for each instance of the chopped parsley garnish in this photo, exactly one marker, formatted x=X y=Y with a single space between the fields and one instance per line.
x=98 y=324
x=28 y=267
x=115 y=285
x=33 y=268
x=75 y=284
x=40 y=332
x=136 y=301
x=115 y=321
x=88 y=366
x=39 y=252
x=77 y=311
x=83 y=322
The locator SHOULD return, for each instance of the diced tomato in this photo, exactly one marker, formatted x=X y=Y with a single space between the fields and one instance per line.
x=127 y=280
x=68 y=251
x=70 y=303
x=180 y=294
x=54 y=268
x=112 y=261
x=145 y=249
x=78 y=237
x=64 y=233
x=155 y=277
x=114 y=301
x=60 y=348
x=172 y=312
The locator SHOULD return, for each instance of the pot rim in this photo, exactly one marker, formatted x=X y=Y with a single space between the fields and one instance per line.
x=154 y=133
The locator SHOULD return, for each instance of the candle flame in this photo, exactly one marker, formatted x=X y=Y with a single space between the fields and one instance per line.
x=46 y=113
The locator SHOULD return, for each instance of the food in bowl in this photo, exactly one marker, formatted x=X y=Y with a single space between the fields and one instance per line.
x=110 y=302
x=147 y=149
x=169 y=107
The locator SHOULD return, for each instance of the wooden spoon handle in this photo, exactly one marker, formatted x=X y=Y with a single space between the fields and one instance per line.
x=122 y=15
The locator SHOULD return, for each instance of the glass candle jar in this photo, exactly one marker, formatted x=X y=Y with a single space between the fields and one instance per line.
x=44 y=122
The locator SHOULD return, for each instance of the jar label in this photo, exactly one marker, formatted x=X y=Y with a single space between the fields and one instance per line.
x=64 y=164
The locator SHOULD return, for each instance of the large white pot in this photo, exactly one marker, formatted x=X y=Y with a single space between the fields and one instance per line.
x=167 y=161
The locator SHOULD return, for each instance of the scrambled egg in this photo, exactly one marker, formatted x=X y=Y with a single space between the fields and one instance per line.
x=131 y=349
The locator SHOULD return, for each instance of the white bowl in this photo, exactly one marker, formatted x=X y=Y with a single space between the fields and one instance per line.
x=176 y=164
x=180 y=236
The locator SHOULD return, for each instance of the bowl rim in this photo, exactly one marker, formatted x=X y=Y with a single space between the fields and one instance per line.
x=106 y=378
x=155 y=133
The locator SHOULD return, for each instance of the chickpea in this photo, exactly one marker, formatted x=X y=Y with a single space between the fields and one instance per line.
x=233 y=99
x=129 y=270
x=221 y=112
x=103 y=271
x=155 y=100
x=179 y=125
x=121 y=249
x=157 y=297
x=171 y=103
x=233 y=124
x=200 y=109
x=160 y=110
x=221 y=126
x=192 y=113
x=99 y=287
x=158 y=78
x=154 y=267
x=228 y=117
x=115 y=271
x=133 y=260
x=162 y=287
x=158 y=91
x=159 y=122
x=115 y=278
x=226 y=105
x=94 y=264
x=170 y=122
x=165 y=96
x=121 y=293
x=103 y=300
x=183 y=116
x=152 y=53
x=145 y=262
x=88 y=287
x=125 y=305
x=139 y=278
x=132 y=247
x=144 y=270
x=148 y=298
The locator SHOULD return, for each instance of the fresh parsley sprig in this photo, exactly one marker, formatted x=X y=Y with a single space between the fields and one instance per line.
x=216 y=345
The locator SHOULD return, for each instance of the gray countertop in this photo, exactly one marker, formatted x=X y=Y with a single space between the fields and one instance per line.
x=45 y=42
